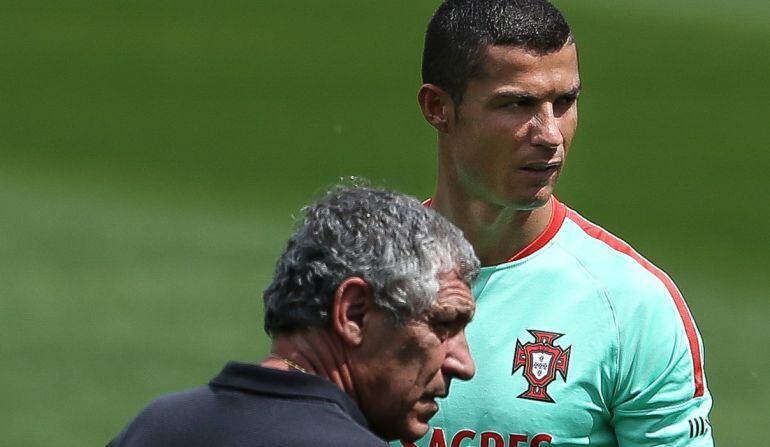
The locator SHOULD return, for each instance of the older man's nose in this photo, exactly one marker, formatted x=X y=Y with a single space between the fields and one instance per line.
x=458 y=362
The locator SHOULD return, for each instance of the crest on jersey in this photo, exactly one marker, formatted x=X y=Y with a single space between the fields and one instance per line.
x=540 y=361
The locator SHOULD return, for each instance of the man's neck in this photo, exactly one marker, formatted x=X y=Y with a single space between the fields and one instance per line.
x=496 y=232
x=312 y=351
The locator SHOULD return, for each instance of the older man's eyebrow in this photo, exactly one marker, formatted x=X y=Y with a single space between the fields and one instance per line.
x=461 y=314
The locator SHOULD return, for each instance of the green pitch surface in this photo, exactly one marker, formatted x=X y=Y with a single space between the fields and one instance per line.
x=152 y=155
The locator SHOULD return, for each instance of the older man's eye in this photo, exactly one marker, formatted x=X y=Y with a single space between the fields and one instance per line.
x=444 y=329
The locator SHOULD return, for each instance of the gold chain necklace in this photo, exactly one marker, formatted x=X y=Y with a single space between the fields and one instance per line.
x=288 y=363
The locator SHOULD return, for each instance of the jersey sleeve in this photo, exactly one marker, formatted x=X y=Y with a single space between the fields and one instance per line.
x=661 y=397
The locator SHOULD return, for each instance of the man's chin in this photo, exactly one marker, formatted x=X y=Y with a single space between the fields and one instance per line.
x=415 y=431
x=414 y=427
x=526 y=198
x=419 y=422
x=530 y=203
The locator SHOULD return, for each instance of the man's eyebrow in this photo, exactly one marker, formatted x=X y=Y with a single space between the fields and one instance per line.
x=463 y=313
x=574 y=91
x=509 y=94
x=523 y=95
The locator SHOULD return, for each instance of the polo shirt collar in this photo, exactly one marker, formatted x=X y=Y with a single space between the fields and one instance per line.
x=255 y=378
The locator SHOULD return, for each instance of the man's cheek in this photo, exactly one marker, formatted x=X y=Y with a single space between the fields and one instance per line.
x=410 y=353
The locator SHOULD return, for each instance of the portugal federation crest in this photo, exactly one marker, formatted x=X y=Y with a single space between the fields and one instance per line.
x=541 y=361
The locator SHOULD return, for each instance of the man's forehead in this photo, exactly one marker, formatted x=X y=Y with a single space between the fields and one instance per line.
x=454 y=296
x=509 y=61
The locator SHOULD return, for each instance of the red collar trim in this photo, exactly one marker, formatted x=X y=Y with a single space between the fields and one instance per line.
x=553 y=227
x=557 y=219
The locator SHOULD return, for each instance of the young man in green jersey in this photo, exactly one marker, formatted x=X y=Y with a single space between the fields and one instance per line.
x=578 y=340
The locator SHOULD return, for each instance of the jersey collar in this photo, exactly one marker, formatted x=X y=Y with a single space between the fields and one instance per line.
x=554 y=224
x=558 y=213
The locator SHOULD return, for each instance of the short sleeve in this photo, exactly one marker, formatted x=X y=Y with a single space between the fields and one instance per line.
x=661 y=398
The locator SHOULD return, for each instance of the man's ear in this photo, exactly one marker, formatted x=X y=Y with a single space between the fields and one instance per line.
x=436 y=106
x=353 y=300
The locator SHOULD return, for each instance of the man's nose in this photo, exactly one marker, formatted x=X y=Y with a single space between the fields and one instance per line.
x=458 y=362
x=545 y=128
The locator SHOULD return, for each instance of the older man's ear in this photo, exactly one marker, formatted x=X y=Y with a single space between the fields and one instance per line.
x=353 y=300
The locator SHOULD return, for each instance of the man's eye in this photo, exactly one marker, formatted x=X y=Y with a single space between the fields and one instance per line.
x=563 y=104
x=444 y=329
x=518 y=104
x=566 y=101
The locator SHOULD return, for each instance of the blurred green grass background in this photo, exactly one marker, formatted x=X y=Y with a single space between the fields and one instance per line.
x=152 y=155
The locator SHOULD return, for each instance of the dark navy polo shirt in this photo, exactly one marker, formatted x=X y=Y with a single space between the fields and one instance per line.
x=249 y=405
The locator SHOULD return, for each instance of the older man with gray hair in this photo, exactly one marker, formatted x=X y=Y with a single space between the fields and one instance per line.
x=366 y=311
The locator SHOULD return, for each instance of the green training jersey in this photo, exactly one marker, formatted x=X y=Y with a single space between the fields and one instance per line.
x=578 y=341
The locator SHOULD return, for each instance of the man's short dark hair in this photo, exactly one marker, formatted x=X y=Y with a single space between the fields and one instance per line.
x=460 y=31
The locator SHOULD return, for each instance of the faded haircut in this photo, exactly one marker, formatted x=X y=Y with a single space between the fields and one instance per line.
x=461 y=30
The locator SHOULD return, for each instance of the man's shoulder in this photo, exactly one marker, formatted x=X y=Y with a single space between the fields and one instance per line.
x=162 y=416
x=613 y=263
x=650 y=311
x=215 y=415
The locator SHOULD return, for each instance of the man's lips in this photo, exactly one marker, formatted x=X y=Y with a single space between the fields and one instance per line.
x=540 y=172
x=431 y=397
x=542 y=166
x=429 y=405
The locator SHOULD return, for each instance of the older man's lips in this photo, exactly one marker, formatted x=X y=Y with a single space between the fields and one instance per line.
x=429 y=402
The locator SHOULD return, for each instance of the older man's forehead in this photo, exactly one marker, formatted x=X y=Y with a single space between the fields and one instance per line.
x=454 y=296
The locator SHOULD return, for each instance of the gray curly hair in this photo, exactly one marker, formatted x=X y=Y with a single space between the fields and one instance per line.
x=391 y=241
